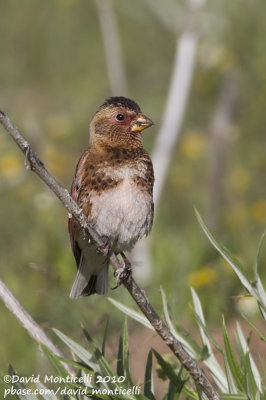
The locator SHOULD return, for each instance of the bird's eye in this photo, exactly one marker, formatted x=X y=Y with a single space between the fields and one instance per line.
x=120 y=117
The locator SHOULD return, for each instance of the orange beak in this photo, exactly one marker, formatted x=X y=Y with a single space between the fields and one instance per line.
x=141 y=123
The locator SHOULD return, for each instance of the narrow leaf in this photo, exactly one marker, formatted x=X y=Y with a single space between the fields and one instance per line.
x=215 y=369
x=4 y=385
x=261 y=296
x=180 y=338
x=232 y=362
x=106 y=370
x=80 y=352
x=119 y=365
x=232 y=389
x=20 y=386
x=125 y=353
x=227 y=256
x=55 y=362
x=171 y=391
x=259 y=332
x=148 y=385
x=105 y=336
x=253 y=369
x=103 y=363
x=167 y=368
x=176 y=380
x=131 y=313
x=250 y=379
x=258 y=253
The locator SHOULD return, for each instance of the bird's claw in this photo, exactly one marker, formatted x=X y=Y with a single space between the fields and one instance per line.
x=123 y=274
x=105 y=249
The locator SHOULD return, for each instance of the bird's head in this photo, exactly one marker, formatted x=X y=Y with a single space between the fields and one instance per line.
x=118 y=123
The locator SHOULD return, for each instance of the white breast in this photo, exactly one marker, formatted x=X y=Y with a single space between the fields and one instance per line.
x=123 y=214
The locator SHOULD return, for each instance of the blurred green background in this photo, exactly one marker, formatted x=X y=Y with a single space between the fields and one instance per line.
x=53 y=77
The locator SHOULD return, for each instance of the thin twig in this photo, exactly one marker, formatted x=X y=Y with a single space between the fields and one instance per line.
x=138 y=295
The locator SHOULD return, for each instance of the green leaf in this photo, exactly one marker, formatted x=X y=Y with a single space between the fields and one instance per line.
x=182 y=383
x=131 y=313
x=119 y=365
x=105 y=368
x=125 y=353
x=171 y=392
x=227 y=256
x=250 y=364
x=105 y=336
x=55 y=362
x=252 y=388
x=79 y=365
x=258 y=284
x=230 y=380
x=232 y=362
x=211 y=362
x=261 y=296
x=20 y=386
x=4 y=385
x=194 y=351
x=176 y=380
x=167 y=368
x=258 y=253
x=148 y=385
x=260 y=333
x=80 y=352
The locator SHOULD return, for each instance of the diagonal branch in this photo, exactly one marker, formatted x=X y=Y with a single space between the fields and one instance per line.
x=36 y=165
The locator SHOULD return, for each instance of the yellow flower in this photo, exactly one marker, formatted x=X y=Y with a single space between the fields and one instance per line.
x=258 y=210
x=223 y=58
x=193 y=145
x=206 y=276
x=219 y=57
x=10 y=167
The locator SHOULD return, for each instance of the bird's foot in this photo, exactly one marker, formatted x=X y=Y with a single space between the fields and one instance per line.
x=105 y=249
x=123 y=274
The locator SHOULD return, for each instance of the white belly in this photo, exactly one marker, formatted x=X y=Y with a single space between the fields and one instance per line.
x=123 y=214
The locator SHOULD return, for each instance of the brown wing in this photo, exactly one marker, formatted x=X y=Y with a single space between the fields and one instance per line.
x=75 y=193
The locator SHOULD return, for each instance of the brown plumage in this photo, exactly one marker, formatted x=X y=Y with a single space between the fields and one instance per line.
x=113 y=185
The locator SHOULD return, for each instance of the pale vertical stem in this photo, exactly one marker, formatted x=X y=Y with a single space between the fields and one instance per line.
x=112 y=47
x=170 y=130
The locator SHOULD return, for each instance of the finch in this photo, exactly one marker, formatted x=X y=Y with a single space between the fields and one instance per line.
x=113 y=185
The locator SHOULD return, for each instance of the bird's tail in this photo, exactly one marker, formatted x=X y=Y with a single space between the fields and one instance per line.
x=90 y=280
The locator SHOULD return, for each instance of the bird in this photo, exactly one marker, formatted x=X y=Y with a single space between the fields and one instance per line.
x=113 y=186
